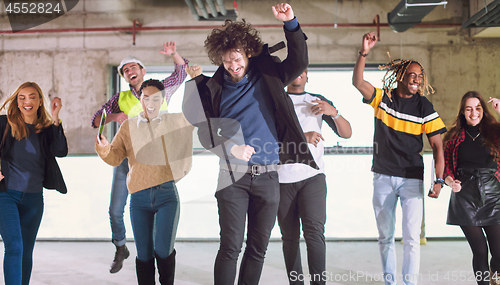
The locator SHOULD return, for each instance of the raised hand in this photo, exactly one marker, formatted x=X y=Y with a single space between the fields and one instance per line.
x=369 y=41
x=283 y=12
x=56 y=106
x=495 y=103
x=194 y=70
x=169 y=48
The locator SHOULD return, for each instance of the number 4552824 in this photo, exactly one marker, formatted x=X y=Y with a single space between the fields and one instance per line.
x=33 y=8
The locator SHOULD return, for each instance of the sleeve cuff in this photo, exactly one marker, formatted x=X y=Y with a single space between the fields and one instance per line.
x=291 y=25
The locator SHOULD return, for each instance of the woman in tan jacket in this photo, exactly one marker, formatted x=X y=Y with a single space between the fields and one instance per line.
x=159 y=148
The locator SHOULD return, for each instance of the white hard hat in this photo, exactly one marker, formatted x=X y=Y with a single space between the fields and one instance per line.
x=128 y=59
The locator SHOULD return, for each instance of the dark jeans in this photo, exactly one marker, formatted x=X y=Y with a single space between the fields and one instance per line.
x=304 y=200
x=20 y=217
x=155 y=207
x=257 y=197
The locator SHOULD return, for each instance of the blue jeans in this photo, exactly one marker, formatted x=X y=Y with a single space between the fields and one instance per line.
x=155 y=207
x=386 y=191
x=20 y=217
x=119 y=194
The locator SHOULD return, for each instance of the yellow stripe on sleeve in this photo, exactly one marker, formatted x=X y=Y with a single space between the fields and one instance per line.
x=434 y=125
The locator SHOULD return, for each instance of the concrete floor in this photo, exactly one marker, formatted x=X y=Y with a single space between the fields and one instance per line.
x=348 y=262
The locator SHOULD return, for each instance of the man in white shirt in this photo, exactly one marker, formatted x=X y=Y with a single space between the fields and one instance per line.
x=303 y=188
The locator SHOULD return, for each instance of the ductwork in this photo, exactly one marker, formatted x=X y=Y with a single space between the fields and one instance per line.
x=410 y=12
x=489 y=16
x=215 y=15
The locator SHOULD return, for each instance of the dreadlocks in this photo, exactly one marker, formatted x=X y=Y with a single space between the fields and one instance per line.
x=396 y=70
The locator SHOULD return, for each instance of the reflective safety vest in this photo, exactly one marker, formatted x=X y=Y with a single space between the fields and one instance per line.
x=130 y=105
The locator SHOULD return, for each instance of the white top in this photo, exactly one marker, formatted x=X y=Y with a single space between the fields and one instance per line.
x=295 y=172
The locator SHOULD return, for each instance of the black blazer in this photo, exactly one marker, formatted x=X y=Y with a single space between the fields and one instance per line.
x=276 y=75
x=53 y=143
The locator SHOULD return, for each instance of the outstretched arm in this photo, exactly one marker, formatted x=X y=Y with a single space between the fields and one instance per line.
x=169 y=48
x=358 y=81
x=173 y=82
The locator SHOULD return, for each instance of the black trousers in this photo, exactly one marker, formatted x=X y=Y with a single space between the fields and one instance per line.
x=304 y=200
x=257 y=197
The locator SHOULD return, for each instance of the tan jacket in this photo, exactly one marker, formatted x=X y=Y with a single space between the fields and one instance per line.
x=157 y=152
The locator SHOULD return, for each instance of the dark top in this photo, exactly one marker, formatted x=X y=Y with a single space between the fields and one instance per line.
x=249 y=103
x=399 y=125
x=472 y=152
x=27 y=164
x=52 y=143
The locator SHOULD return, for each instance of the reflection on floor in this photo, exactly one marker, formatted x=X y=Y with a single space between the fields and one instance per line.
x=348 y=262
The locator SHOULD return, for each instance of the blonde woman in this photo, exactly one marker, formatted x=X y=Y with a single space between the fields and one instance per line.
x=31 y=139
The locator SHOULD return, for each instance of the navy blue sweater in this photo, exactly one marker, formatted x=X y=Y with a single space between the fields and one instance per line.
x=249 y=102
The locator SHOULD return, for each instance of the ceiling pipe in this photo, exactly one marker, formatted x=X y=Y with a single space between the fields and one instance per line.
x=136 y=24
x=192 y=9
x=136 y=27
x=376 y=21
x=202 y=8
x=222 y=8
x=213 y=10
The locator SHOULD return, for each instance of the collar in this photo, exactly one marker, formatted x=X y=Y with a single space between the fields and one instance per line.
x=300 y=93
x=133 y=91
x=142 y=119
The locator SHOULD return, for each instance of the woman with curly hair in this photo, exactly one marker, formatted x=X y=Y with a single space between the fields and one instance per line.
x=31 y=139
x=472 y=170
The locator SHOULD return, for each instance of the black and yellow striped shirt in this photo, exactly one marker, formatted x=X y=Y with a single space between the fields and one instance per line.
x=399 y=125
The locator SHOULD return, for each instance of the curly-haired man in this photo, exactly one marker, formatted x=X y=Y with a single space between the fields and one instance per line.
x=251 y=124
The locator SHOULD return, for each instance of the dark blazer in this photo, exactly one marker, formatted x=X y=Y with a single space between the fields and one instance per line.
x=53 y=143
x=276 y=75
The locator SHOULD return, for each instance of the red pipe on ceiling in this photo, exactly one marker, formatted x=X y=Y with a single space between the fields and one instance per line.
x=136 y=27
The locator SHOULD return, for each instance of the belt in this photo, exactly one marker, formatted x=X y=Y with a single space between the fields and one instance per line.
x=255 y=169
x=476 y=175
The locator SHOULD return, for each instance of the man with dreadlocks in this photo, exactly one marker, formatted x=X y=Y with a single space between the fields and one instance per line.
x=402 y=114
